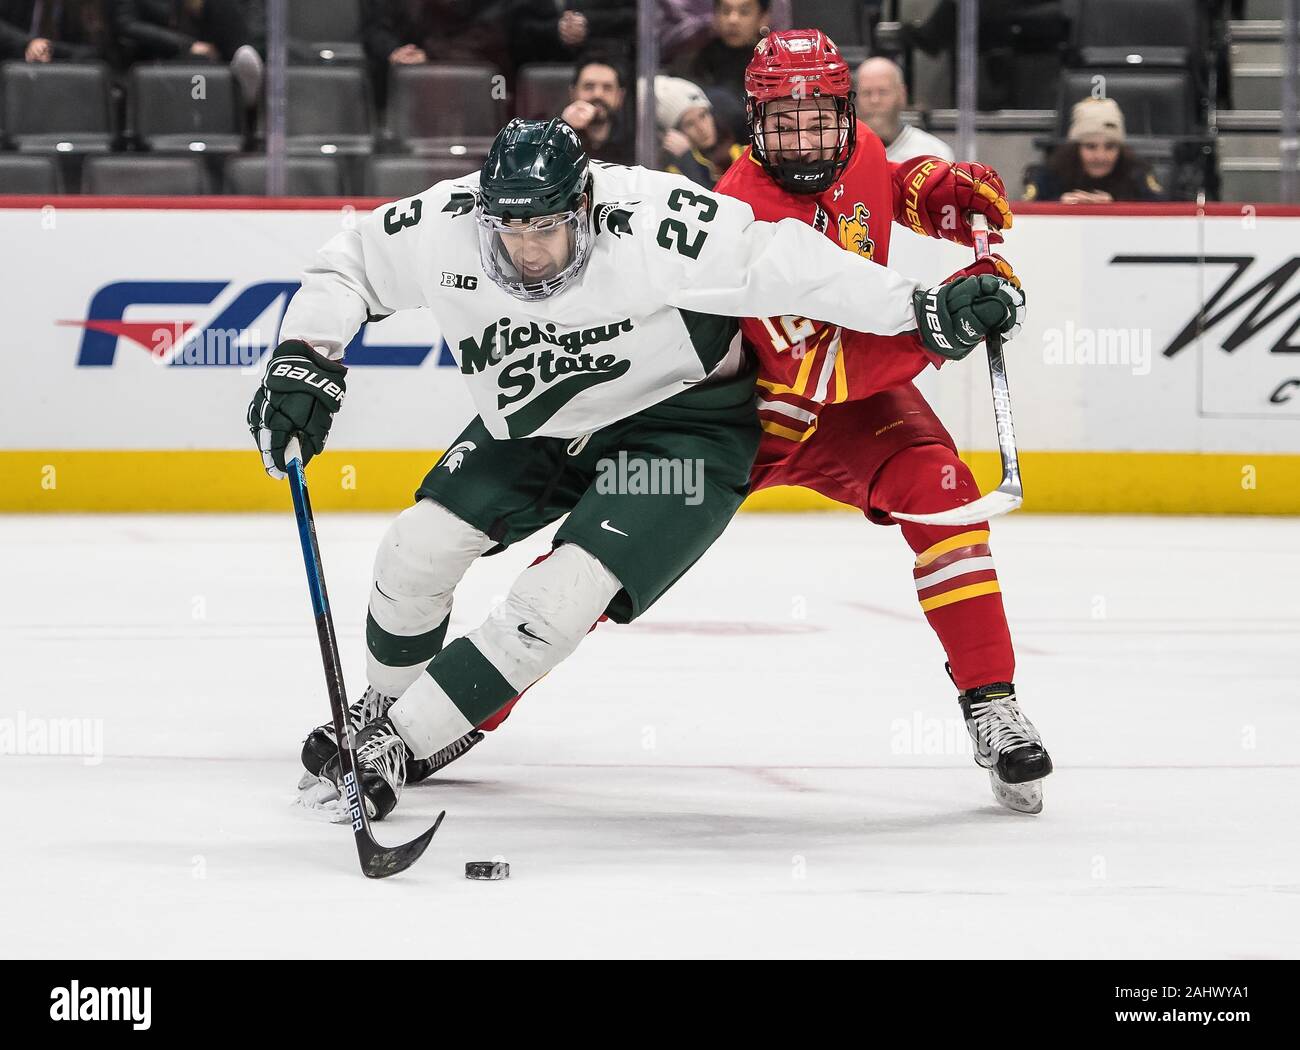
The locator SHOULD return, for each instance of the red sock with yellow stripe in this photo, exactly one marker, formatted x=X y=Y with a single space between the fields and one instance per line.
x=956 y=581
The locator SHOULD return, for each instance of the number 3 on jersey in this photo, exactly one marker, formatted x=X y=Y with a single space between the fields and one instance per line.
x=673 y=233
x=395 y=221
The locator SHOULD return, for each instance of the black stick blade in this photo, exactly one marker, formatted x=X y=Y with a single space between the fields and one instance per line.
x=378 y=862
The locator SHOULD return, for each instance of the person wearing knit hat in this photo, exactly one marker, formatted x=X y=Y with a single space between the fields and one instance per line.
x=1093 y=165
x=1096 y=117
x=693 y=143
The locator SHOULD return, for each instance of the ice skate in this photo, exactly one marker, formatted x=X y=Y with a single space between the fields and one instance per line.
x=1007 y=745
x=381 y=764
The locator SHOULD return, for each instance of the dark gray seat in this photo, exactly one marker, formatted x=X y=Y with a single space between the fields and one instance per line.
x=325 y=31
x=440 y=107
x=57 y=107
x=26 y=174
x=1155 y=102
x=185 y=108
x=142 y=174
x=1151 y=33
x=328 y=111
x=394 y=177
x=304 y=176
x=841 y=20
x=542 y=90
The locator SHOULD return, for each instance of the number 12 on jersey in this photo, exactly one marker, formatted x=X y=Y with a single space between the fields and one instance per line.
x=796 y=330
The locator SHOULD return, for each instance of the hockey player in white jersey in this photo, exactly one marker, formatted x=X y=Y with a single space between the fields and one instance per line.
x=591 y=310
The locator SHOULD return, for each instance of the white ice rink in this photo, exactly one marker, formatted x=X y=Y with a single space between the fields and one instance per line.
x=770 y=764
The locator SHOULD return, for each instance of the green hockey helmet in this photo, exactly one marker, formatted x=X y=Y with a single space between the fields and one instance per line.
x=534 y=208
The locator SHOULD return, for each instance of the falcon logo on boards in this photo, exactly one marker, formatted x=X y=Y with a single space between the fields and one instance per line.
x=211 y=324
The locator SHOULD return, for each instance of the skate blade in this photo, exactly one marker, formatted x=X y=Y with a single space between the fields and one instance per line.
x=1020 y=798
x=321 y=799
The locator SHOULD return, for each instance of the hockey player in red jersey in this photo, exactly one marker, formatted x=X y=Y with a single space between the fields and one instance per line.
x=838 y=409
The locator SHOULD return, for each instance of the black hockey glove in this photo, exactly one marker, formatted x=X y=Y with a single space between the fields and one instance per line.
x=300 y=392
x=953 y=318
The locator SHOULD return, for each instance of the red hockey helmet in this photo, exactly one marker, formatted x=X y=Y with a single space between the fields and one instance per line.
x=792 y=76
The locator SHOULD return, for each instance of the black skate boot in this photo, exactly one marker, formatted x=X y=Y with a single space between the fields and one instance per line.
x=418 y=769
x=321 y=745
x=381 y=764
x=1007 y=745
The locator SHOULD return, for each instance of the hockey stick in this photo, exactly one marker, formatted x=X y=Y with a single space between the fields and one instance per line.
x=377 y=862
x=1010 y=493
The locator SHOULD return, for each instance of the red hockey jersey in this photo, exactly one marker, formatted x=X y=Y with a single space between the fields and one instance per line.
x=805 y=363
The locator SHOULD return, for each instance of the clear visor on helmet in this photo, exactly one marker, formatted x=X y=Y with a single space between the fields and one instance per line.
x=534 y=258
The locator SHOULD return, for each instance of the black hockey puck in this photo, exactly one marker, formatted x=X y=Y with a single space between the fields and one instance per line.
x=488 y=870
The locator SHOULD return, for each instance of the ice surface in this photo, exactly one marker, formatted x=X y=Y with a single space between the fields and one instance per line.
x=770 y=764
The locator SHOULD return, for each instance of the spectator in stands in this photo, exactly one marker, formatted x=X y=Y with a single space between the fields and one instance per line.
x=882 y=97
x=721 y=63
x=694 y=144
x=194 y=30
x=595 y=110
x=1032 y=25
x=1093 y=166
x=411 y=32
x=560 y=30
x=54 y=31
x=687 y=25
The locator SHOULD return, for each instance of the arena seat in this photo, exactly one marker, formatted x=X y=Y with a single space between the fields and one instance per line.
x=420 y=119
x=57 y=107
x=27 y=174
x=165 y=115
x=1155 y=102
x=142 y=174
x=328 y=111
x=841 y=20
x=303 y=176
x=542 y=90
x=394 y=177
x=325 y=31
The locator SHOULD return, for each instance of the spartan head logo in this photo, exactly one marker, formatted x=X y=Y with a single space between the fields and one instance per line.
x=455 y=456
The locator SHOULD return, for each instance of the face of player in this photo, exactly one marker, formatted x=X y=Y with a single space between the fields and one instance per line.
x=1098 y=156
x=598 y=83
x=737 y=22
x=697 y=124
x=538 y=252
x=541 y=248
x=801 y=131
x=881 y=98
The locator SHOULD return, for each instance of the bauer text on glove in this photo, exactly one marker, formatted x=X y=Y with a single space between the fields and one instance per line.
x=954 y=318
x=300 y=392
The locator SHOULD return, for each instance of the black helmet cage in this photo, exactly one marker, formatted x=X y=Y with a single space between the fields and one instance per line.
x=804 y=176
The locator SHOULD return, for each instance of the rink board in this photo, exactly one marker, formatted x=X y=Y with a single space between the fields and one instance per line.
x=1156 y=372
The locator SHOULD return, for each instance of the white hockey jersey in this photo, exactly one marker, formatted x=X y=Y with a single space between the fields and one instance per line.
x=638 y=325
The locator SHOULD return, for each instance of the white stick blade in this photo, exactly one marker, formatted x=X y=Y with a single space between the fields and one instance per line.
x=990 y=506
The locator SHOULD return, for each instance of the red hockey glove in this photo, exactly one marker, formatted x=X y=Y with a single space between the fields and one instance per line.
x=994 y=266
x=933 y=197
